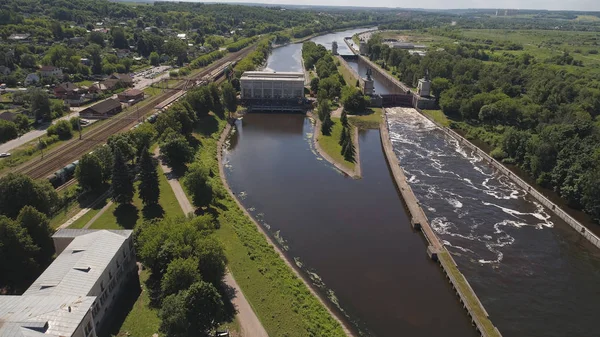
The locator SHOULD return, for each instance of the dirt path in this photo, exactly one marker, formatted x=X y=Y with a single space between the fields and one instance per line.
x=291 y=265
x=249 y=323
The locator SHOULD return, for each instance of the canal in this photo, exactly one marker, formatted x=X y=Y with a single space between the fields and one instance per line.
x=534 y=274
x=352 y=238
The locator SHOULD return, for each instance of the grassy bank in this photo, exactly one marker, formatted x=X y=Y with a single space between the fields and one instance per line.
x=282 y=302
x=331 y=144
x=438 y=116
x=369 y=120
x=348 y=76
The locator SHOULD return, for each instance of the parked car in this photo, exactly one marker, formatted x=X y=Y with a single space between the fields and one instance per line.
x=4 y=155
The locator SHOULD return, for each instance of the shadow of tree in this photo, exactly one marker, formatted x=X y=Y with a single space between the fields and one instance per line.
x=207 y=125
x=150 y=212
x=127 y=215
x=130 y=293
x=228 y=293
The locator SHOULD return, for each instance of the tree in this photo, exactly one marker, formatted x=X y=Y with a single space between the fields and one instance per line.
x=192 y=312
x=176 y=151
x=154 y=58
x=180 y=275
x=18 y=190
x=439 y=85
x=106 y=158
x=96 y=58
x=323 y=109
x=89 y=172
x=353 y=100
x=22 y=123
x=119 y=39
x=122 y=184
x=8 y=131
x=348 y=151
x=326 y=125
x=229 y=97
x=344 y=119
x=314 y=85
x=344 y=137
x=148 y=189
x=196 y=182
x=62 y=129
x=38 y=228
x=212 y=260
x=97 y=38
x=18 y=253
x=27 y=61
x=40 y=104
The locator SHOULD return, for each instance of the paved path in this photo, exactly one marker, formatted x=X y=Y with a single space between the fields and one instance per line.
x=89 y=223
x=249 y=323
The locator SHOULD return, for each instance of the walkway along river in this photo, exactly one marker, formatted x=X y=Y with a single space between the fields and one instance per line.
x=351 y=237
x=534 y=274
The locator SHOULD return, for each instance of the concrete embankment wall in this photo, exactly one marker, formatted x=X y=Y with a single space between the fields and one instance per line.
x=581 y=229
x=436 y=250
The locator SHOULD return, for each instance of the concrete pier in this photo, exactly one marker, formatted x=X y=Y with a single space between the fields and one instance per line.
x=435 y=249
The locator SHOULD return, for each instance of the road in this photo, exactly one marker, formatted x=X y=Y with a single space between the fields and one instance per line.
x=140 y=82
x=249 y=323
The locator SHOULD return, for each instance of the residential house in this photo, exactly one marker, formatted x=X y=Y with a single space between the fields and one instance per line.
x=49 y=71
x=32 y=79
x=77 y=40
x=131 y=96
x=85 y=61
x=8 y=116
x=124 y=79
x=121 y=53
x=181 y=36
x=65 y=90
x=103 y=109
x=76 y=294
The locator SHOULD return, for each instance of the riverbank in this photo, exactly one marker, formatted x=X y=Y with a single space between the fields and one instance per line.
x=253 y=258
x=436 y=250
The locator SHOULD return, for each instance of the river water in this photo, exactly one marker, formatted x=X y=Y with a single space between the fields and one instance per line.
x=352 y=238
x=534 y=274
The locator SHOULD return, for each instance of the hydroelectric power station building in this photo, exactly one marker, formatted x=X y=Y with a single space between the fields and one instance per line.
x=267 y=85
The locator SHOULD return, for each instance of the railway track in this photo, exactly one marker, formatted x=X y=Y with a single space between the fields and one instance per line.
x=75 y=148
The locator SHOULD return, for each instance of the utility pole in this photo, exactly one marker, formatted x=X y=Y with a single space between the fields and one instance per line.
x=79 y=126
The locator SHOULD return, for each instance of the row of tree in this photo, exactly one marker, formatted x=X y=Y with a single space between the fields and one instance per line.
x=348 y=149
x=328 y=86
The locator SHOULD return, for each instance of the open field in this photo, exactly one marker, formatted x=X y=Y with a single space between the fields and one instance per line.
x=369 y=120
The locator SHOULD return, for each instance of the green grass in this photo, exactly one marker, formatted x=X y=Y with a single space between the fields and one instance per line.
x=86 y=83
x=152 y=91
x=438 y=116
x=281 y=301
x=587 y=18
x=369 y=120
x=470 y=297
x=347 y=75
x=330 y=144
x=6 y=98
x=129 y=217
x=142 y=320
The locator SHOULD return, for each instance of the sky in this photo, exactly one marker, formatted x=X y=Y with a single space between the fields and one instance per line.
x=579 y=5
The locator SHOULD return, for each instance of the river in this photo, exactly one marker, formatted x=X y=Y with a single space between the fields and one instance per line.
x=352 y=238
x=534 y=274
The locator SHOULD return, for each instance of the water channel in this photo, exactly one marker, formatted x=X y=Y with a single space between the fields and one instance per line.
x=352 y=238
x=534 y=274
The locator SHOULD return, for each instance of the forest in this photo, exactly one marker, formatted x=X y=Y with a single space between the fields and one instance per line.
x=540 y=113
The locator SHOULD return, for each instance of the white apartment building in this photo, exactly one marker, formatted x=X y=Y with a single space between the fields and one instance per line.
x=74 y=295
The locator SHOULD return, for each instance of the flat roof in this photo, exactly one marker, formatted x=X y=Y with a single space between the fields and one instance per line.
x=77 y=269
x=272 y=76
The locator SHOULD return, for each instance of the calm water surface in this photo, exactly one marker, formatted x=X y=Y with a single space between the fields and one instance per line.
x=352 y=238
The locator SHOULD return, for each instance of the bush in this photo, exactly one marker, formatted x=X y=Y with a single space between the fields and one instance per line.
x=8 y=131
x=62 y=129
x=498 y=154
